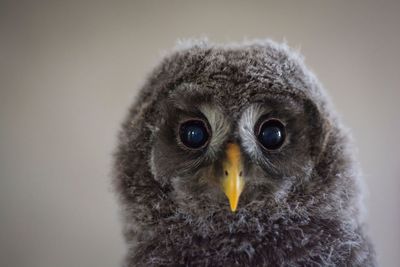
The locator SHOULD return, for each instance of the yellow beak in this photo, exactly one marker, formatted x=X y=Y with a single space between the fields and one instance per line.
x=233 y=183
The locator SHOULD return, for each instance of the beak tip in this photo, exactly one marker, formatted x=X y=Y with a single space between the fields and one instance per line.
x=233 y=208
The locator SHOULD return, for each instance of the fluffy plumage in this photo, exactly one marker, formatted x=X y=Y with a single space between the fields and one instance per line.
x=300 y=205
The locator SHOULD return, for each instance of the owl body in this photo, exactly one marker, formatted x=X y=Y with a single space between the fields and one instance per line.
x=208 y=110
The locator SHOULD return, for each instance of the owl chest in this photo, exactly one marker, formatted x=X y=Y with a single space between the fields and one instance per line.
x=277 y=246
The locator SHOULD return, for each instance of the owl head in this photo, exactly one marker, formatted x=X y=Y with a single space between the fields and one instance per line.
x=232 y=132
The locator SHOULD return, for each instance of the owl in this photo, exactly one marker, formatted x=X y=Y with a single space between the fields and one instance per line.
x=232 y=155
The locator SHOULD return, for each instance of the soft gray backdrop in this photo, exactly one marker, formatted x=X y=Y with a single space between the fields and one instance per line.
x=69 y=70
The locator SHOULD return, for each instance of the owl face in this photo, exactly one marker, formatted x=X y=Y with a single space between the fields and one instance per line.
x=225 y=153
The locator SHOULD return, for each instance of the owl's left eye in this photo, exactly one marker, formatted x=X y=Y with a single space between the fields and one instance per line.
x=194 y=133
x=271 y=134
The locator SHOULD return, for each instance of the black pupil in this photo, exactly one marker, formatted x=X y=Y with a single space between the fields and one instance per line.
x=193 y=134
x=272 y=134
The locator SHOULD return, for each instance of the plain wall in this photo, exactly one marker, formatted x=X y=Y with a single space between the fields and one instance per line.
x=69 y=70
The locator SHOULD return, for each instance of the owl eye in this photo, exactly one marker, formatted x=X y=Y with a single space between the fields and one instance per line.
x=194 y=133
x=271 y=134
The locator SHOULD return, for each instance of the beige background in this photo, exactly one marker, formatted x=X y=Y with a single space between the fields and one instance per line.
x=69 y=70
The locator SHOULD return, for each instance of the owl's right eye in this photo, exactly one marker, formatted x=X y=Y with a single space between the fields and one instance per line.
x=194 y=134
